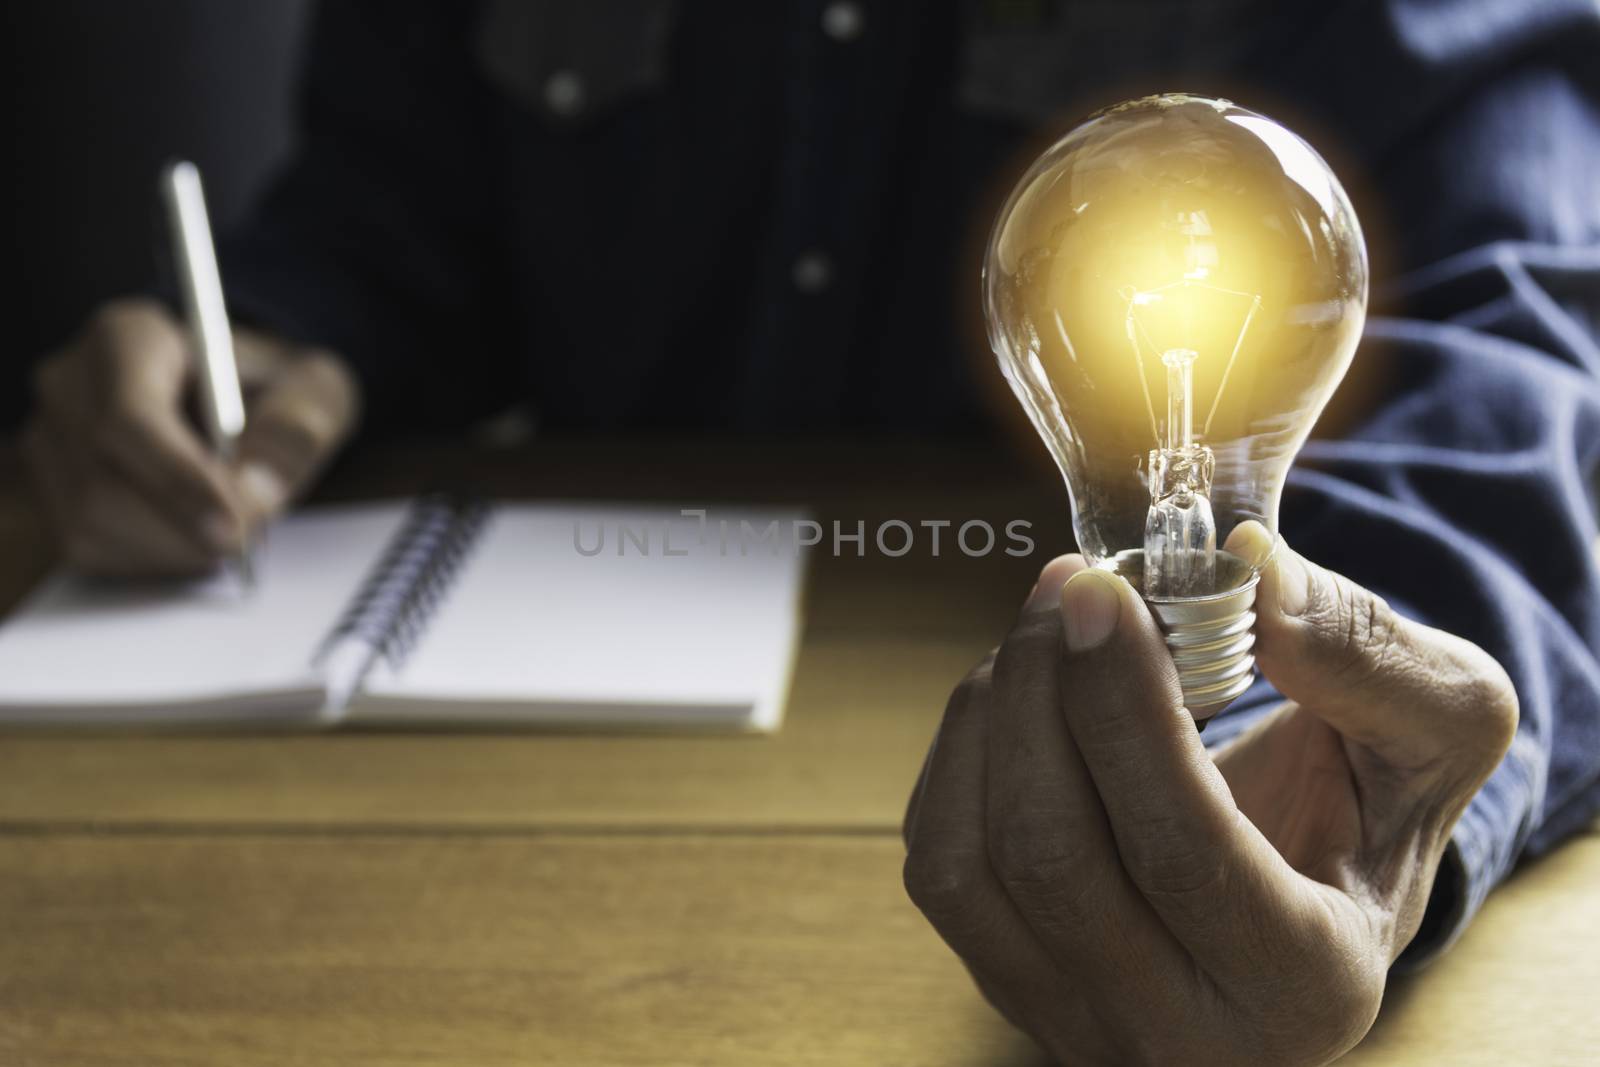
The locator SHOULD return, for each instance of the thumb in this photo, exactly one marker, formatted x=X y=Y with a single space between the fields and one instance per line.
x=292 y=429
x=1343 y=653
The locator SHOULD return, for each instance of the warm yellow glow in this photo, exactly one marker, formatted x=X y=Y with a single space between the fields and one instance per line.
x=1189 y=315
x=1175 y=223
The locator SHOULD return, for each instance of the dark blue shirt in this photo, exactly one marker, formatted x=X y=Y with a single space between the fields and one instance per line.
x=768 y=217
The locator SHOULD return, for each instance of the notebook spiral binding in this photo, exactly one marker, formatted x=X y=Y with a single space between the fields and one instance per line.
x=392 y=606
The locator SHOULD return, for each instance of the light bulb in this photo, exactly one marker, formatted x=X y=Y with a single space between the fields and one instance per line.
x=1174 y=290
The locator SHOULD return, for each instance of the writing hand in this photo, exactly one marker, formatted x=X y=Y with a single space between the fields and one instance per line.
x=127 y=479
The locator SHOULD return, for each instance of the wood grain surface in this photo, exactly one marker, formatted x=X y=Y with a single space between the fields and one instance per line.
x=249 y=949
x=497 y=899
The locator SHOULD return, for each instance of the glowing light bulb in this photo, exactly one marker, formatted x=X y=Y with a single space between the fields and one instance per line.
x=1174 y=290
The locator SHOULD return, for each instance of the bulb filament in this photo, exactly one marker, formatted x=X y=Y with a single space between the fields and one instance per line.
x=1180 y=543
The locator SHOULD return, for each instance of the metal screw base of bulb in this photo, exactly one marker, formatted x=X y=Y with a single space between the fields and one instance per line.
x=1211 y=637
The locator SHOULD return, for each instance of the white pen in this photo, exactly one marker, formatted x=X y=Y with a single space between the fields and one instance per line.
x=221 y=400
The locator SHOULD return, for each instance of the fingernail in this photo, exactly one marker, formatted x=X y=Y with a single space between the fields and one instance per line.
x=1251 y=542
x=1046 y=592
x=1091 y=604
x=262 y=486
x=221 y=533
x=1294 y=582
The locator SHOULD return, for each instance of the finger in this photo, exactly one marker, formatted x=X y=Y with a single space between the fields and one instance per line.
x=1048 y=838
x=106 y=527
x=1408 y=691
x=295 y=426
x=54 y=478
x=947 y=872
x=995 y=992
x=126 y=535
x=141 y=361
x=908 y=825
x=1220 y=887
x=981 y=674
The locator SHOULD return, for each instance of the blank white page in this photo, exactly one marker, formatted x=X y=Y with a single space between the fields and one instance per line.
x=82 y=650
x=536 y=630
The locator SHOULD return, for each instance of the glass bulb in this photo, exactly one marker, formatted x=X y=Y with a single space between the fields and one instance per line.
x=1174 y=290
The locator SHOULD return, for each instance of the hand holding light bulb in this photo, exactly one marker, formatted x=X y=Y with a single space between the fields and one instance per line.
x=1124 y=899
x=1174 y=290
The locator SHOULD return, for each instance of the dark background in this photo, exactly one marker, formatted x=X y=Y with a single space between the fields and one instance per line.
x=105 y=93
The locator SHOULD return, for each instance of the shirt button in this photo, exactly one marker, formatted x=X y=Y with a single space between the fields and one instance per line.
x=812 y=272
x=843 y=20
x=563 y=93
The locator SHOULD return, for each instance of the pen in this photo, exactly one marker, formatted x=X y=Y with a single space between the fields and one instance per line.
x=221 y=401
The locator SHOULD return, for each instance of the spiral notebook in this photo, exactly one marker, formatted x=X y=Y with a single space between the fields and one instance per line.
x=440 y=612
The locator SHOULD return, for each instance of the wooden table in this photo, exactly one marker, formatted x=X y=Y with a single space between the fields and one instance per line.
x=367 y=898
